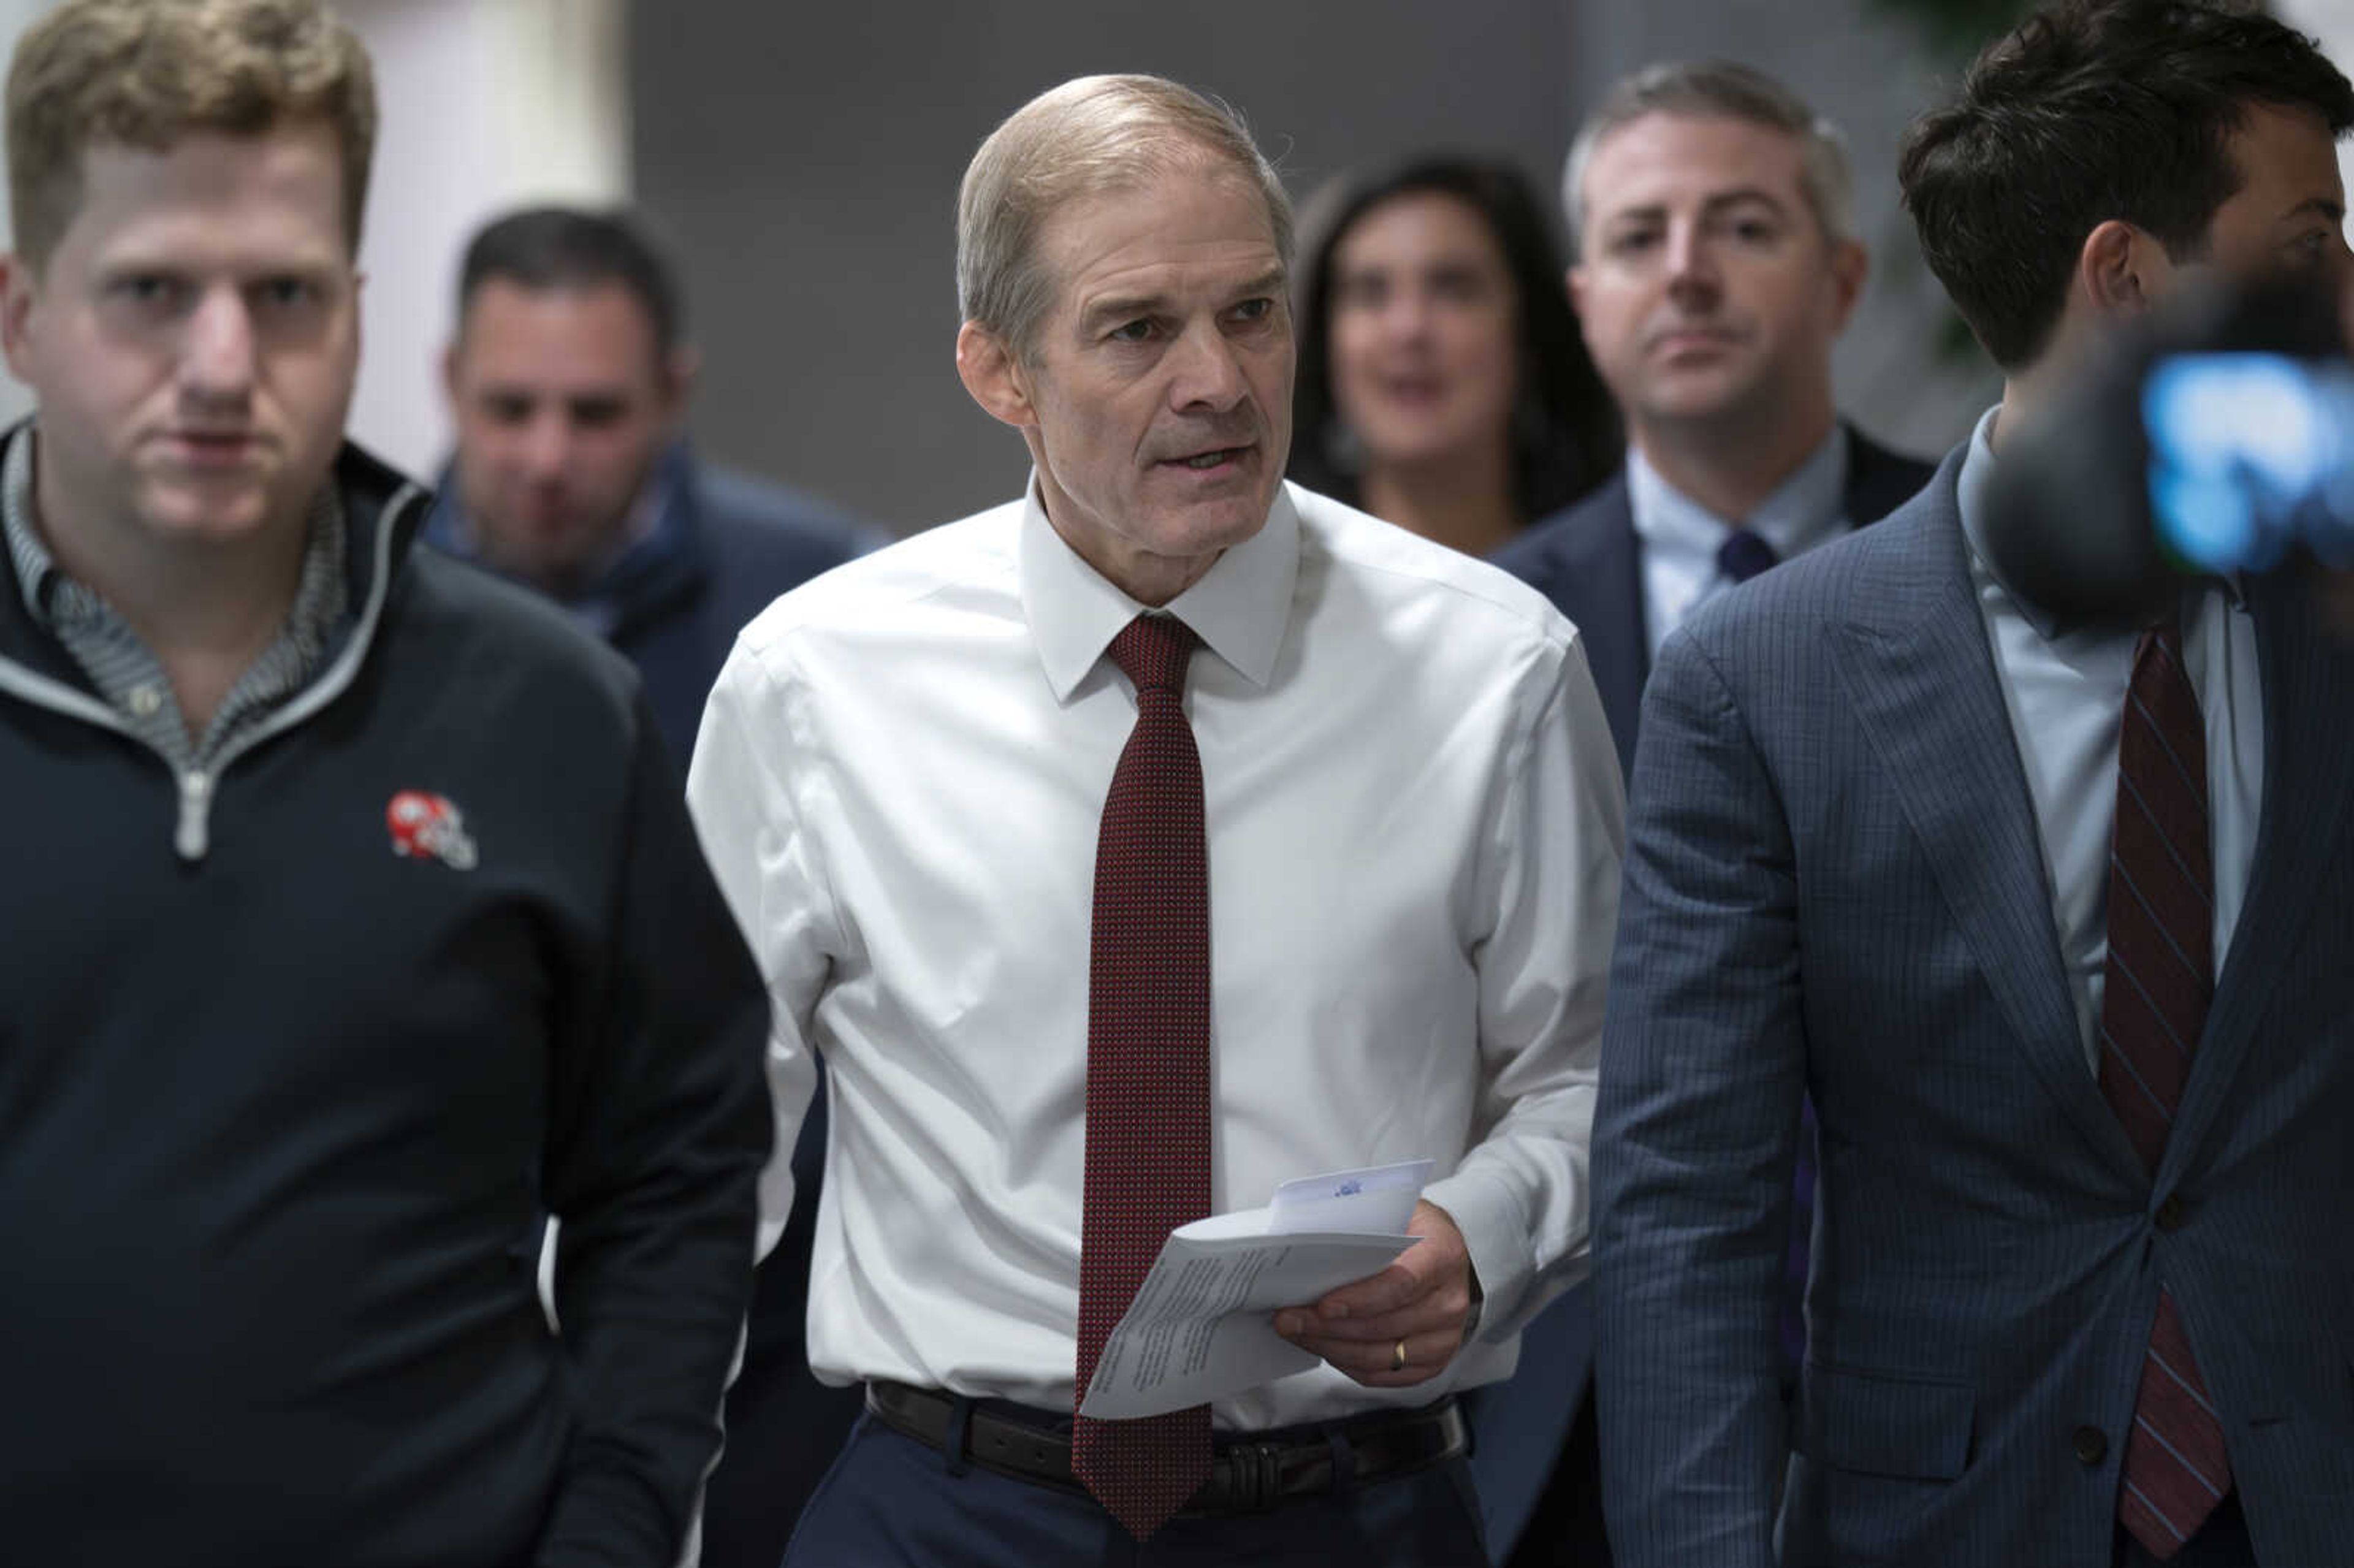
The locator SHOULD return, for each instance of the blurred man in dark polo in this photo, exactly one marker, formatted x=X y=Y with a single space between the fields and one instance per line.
x=569 y=385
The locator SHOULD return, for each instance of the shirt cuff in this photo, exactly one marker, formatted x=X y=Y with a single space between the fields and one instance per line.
x=1497 y=1236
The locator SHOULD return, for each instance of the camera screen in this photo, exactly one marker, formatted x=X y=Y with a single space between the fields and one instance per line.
x=2250 y=454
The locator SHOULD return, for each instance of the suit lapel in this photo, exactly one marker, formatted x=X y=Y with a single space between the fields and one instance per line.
x=1922 y=677
x=1617 y=646
x=1591 y=568
x=2308 y=776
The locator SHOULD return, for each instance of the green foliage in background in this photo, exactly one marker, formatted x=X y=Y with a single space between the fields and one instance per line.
x=1955 y=30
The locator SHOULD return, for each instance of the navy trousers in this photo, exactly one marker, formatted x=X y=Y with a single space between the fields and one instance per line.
x=891 y=1502
x=784 y=1427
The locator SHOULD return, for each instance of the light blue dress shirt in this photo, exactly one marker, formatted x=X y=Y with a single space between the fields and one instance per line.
x=2065 y=689
x=1681 y=537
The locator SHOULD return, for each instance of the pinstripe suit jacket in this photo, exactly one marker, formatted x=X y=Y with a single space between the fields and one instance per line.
x=1834 y=883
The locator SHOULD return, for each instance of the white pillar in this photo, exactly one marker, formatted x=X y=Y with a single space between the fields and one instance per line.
x=485 y=104
x=15 y=16
x=2332 y=22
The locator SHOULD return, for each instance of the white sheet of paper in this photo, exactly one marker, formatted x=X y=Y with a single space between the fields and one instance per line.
x=1376 y=1201
x=1202 y=1325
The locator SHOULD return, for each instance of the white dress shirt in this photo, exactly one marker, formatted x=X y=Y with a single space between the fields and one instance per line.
x=2066 y=692
x=1681 y=537
x=1415 y=826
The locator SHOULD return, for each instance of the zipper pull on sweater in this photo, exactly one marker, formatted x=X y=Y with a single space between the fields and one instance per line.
x=195 y=806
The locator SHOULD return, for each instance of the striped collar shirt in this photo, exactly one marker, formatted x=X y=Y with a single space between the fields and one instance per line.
x=126 y=671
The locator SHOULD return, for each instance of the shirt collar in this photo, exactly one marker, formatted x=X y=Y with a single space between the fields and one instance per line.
x=1803 y=511
x=1240 y=610
x=33 y=564
x=1970 y=498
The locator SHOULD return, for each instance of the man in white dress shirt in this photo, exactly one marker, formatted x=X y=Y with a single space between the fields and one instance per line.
x=1410 y=816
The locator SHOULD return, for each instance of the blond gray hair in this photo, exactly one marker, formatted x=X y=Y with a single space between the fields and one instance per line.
x=1719 y=90
x=1089 y=136
x=145 y=73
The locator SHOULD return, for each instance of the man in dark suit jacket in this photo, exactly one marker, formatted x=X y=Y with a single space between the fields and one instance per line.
x=1588 y=559
x=1712 y=212
x=567 y=385
x=2042 y=917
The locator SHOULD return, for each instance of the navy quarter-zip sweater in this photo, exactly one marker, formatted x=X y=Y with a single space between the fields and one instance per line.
x=287 y=1074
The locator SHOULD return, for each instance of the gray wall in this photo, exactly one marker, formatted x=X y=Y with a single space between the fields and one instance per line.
x=804 y=159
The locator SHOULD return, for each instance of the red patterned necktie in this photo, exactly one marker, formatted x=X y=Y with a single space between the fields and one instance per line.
x=2160 y=977
x=1148 y=1066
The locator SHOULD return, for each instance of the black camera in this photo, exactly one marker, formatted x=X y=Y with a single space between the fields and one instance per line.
x=2215 y=438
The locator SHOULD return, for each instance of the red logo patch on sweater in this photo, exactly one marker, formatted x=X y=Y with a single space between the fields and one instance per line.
x=425 y=824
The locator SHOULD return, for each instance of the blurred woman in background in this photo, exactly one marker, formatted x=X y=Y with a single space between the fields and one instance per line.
x=1443 y=383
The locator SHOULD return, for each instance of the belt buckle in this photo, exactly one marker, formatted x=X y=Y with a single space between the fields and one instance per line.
x=1254 y=1476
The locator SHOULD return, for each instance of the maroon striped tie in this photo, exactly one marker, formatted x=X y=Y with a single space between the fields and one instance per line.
x=1148 y=1066
x=2160 y=975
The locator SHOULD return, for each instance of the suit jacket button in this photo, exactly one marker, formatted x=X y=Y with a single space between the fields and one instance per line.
x=2091 y=1445
x=2171 y=1213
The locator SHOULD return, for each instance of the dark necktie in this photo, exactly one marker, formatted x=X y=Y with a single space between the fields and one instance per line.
x=1744 y=555
x=1148 y=1066
x=2154 y=998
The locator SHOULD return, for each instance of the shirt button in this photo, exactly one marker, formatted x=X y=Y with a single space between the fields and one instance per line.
x=145 y=700
x=2091 y=1445
x=2172 y=1213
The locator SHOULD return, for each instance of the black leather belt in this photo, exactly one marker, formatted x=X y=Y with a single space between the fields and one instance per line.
x=1247 y=1474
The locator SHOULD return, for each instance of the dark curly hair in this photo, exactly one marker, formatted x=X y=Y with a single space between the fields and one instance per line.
x=2086 y=113
x=542 y=248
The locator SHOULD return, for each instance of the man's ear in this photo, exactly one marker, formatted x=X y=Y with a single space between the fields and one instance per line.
x=19 y=285
x=1574 y=279
x=994 y=376
x=679 y=369
x=2121 y=269
x=1850 y=266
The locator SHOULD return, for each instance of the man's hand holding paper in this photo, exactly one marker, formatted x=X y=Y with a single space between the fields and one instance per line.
x=1418 y=1305
x=1201 y=1324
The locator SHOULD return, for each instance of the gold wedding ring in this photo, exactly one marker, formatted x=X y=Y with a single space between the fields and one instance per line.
x=1398 y=1356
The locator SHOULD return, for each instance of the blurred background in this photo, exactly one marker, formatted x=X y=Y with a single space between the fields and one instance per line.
x=803 y=162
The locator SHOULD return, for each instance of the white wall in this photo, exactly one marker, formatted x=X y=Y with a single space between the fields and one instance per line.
x=2332 y=22
x=15 y=16
x=485 y=104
